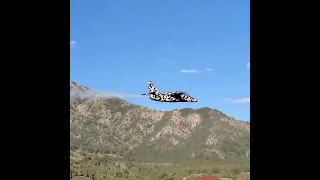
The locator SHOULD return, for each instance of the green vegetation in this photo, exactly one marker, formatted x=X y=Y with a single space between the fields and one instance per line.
x=98 y=167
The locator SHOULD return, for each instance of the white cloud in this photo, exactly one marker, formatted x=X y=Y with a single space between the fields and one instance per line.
x=238 y=101
x=241 y=101
x=73 y=44
x=189 y=71
x=76 y=93
x=248 y=66
x=209 y=69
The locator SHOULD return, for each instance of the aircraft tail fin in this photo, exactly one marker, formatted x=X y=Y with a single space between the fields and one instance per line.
x=152 y=88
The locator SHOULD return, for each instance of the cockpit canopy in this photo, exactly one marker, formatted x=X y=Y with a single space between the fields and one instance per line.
x=184 y=93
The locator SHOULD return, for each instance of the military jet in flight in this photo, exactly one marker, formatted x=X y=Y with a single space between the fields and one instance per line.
x=178 y=96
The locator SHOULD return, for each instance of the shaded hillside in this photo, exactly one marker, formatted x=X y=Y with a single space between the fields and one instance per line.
x=118 y=131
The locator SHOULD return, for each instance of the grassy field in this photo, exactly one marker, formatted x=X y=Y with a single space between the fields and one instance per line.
x=153 y=171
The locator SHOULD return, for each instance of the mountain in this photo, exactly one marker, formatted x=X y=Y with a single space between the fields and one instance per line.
x=123 y=132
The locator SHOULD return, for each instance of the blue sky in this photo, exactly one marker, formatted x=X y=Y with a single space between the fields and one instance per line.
x=118 y=45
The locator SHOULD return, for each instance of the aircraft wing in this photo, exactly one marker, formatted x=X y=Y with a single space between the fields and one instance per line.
x=176 y=95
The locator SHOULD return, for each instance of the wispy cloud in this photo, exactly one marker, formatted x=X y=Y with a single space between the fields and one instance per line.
x=238 y=101
x=248 y=66
x=241 y=101
x=76 y=93
x=189 y=71
x=73 y=44
x=209 y=69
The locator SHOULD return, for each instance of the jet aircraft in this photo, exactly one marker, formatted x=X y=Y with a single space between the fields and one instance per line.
x=178 y=96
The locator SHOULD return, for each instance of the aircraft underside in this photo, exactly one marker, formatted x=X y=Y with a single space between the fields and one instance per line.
x=170 y=97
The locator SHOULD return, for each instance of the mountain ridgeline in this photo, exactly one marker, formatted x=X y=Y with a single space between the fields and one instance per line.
x=119 y=131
